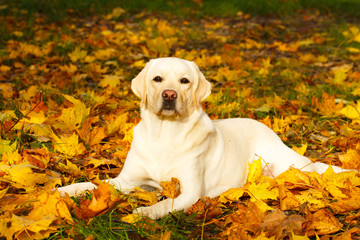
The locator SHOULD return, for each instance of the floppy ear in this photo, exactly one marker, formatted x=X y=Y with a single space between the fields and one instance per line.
x=203 y=88
x=139 y=85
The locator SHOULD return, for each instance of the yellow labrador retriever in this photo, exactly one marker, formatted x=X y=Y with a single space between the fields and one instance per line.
x=177 y=139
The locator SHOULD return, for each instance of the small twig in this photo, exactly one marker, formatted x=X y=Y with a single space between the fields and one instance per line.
x=32 y=109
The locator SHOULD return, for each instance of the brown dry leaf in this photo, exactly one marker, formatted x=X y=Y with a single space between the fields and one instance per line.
x=206 y=208
x=91 y=135
x=243 y=223
x=39 y=157
x=271 y=221
x=171 y=189
x=104 y=198
x=277 y=224
x=322 y=222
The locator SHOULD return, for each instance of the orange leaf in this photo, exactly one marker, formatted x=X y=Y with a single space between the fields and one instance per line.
x=104 y=199
x=171 y=189
x=327 y=106
x=350 y=159
x=322 y=222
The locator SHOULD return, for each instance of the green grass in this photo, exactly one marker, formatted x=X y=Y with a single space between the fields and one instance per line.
x=57 y=10
x=110 y=226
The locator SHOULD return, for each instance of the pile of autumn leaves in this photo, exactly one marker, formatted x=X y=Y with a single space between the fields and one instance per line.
x=49 y=138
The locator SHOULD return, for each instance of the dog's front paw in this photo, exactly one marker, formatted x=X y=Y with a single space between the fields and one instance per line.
x=75 y=189
x=148 y=212
x=156 y=211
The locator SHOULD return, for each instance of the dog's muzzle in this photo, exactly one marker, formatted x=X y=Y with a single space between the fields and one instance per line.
x=169 y=96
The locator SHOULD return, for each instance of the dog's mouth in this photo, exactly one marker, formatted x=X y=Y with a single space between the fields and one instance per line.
x=168 y=108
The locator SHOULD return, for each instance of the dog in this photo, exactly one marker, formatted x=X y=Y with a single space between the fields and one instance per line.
x=176 y=138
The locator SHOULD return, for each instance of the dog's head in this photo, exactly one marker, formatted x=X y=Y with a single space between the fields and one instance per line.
x=171 y=87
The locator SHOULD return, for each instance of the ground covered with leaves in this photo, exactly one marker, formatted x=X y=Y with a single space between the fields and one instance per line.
x=67 y=114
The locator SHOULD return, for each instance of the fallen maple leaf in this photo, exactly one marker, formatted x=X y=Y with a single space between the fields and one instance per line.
x=40 y=222
x=104 y=198
x=68 y=145
x=171 y=189
x=206 y=208
x=22 y=176
x=328 y=106
x=322 y=222
x=287 y=199
x=350 y=159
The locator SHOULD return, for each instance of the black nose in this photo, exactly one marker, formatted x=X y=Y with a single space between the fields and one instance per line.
x=169 y=95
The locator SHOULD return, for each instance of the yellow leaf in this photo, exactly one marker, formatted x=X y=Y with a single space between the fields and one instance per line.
x=165 y=235
x=21 y=227
x=104 y=54
x=357 y=38
x=30 y=92
x=131 y=218
x=340 y=73
x=348 y=204
x=333 y=183
x=4 y=68
x=171 y=189
x=116 y=12
x=3 y=192
x=231 y=195
x=262 y=191
x=7 y=91
x=263 y=236
x=263 y=207
x=71 y=169
x=300 y=150
x=96 y=135
x=149 y=197
x=50 y=204
x=110 y=81
x=23 y=176
x=114 y=125
x=139 y=64
x=323 y=222
x=287 y=199
x=351 y=111
x=254 y=172
x=298 y=237
x=314 y=199
x=351 y=159
x=77 y=54
x=11 y=157
x=328 y=106
x=34 y=117
x=68 y=145
x=74 y=116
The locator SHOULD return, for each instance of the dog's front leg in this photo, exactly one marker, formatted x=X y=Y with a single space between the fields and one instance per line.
x=191 y=185
x=77 y=188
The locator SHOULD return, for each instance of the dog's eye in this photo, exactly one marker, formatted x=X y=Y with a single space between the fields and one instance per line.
x=184 y=81
x=157 y=79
